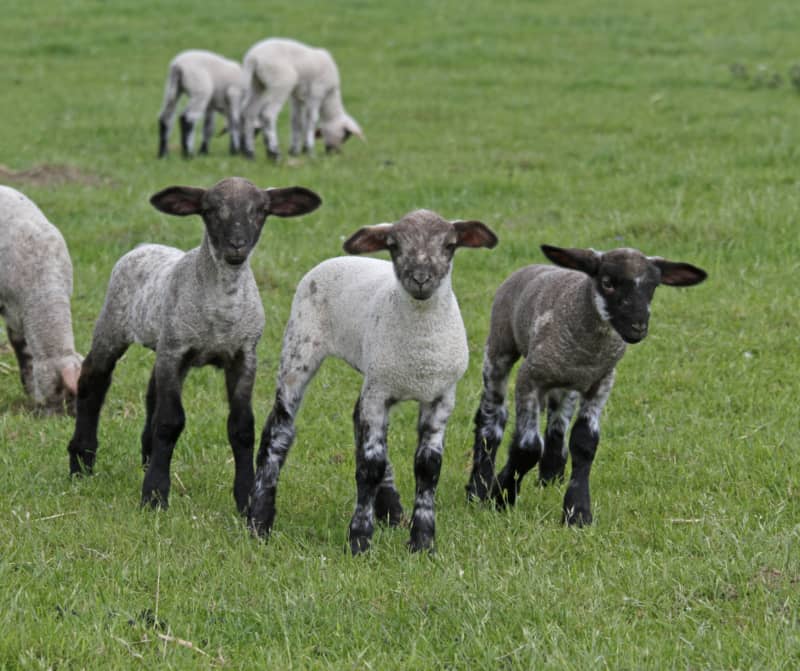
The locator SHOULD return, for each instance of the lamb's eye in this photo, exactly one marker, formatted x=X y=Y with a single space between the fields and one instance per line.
x=606 y=284
x=451 y=247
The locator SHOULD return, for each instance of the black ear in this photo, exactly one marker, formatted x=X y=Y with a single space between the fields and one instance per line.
x=291 y=201
x=368 y=239
x=677 y=274
x=474 y=234
x=179 y=200
x=585 y=260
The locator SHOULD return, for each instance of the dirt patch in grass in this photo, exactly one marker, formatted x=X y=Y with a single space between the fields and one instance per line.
x=47 y=174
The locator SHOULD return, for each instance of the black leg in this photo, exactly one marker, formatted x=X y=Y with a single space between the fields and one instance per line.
x=526 y=444
x=168 y=422
x=239 y=377
x=276 y=439
x=147 y=431
x=370 y=421
x=560 y=407
x=24 y=359
x=388 y=508
x=427 y=466
x=583 y=443
x=490 y=423
x=163 y=134
x=186 y=132
x=94 y=381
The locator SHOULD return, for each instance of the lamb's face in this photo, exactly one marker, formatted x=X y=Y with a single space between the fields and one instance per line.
x=234 y=212
x=422 y=247
x=55 y=384
x=625 y=282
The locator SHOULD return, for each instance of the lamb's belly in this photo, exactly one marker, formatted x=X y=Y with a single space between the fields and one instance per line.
x=419 y=380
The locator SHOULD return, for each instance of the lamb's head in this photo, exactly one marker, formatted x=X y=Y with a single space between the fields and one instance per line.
x=338 y=130
x=234 y=211
x=55 y=383
x=422 y=246
x=624 y=283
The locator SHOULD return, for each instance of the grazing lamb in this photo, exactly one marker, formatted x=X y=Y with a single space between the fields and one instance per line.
x=194 y=308
x=275 y=69
x=571 y=325
x=213 y=84
x=399 y=325
x=35 y=290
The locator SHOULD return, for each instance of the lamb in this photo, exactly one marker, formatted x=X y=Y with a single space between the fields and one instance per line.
x=35 y=290
x=399 y=325
x=213 y=84
x=275 y=69
x=571 y=325
x=195 y=308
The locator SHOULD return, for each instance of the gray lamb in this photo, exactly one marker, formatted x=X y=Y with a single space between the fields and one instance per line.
x=195 y=308
x=571 y=325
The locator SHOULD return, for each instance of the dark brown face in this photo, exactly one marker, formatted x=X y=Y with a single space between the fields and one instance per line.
x=234 y=211
x=625 y=283
x=234 y=215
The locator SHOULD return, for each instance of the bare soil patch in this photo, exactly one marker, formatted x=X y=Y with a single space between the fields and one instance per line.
x=47 y=174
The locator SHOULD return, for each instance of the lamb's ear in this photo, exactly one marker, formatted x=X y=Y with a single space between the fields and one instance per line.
x=291 y=201
x=585 y=260
x=474 y=234
x=179 y=200
x=677 y=274
x=368 y=239
x=69 y=376
x=352 y=127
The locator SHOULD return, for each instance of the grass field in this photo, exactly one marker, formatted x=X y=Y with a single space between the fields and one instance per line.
x=581 y=123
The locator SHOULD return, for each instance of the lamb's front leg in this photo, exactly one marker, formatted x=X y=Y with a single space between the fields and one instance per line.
x=24 y=359
x=433 y=418
x=526 y=444
x=370 y=420
x=583 y=441
x=167 y=425
x=239 y=377
x=93 y=384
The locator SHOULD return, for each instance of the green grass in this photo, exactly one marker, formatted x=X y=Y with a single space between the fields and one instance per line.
x=572 y=123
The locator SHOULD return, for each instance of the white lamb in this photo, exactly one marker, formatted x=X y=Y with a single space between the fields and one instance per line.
x=399 y=325
x=275 y=69
x=213 y=84
x=35 y=290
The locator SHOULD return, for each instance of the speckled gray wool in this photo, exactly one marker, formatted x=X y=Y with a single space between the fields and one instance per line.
x=35 y=290
x=550 y=314
x=166 y=299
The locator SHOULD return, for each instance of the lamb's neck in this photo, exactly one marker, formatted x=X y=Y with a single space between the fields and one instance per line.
x=48 y=325
x=213 y=271
x=332 y=107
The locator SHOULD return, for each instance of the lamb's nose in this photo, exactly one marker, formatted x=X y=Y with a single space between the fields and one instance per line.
x=640 y=328
x=420 y=276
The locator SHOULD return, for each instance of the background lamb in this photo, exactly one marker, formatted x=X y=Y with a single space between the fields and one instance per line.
x=275 y=69
x=213 y=84
x=195 y=308
x=571 y=325
x=399 y=325
x=35 y=290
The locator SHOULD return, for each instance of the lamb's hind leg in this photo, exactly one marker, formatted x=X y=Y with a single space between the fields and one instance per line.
x=490 y=422
x=296 y=370
x=239 y=378
x=526 y=444
x=560 y=408
x=427 y=466
x=93 y=384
